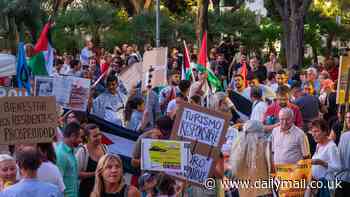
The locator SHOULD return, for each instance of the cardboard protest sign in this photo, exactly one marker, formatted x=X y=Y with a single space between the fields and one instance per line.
x=27 y=119
x=199 y=124
x=70 y=92
x=132 y=75
x=164 y=155
x=293 y=178
x=343 y=78
x=158 y=60
x=206 y=130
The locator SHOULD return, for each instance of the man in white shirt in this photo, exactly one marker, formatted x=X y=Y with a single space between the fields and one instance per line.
x=259 y=106
x=289 y=143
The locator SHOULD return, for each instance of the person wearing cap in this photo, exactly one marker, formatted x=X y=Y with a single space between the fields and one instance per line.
x=169 y=92
x=250 y=158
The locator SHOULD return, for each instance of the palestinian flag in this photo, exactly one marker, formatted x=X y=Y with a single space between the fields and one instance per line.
x=185 y=73
x=42 y=61
x=213 y=81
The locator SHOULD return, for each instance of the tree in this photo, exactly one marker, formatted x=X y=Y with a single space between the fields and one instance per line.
x=293 y=13
x=202 y=18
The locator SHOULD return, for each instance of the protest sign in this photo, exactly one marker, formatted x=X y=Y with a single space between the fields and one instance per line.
x=44 y=86
x=70 y=92
x=164 y=155
x=158 y=60
x=27 y=119
x=201 y=125
x=199 y=169
x=206 y=129
x=343 y=78
x=293 y=178
x=132 y=75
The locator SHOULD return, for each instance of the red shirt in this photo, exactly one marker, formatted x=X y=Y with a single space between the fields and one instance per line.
x=274 y=109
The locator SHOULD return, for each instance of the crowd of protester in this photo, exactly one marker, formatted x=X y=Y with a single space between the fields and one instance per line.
x=294 y=116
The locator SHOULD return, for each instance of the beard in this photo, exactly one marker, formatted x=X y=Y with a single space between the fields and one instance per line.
x=282 y=105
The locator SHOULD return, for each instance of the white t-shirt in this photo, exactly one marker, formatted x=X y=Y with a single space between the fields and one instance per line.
x=49 y=172
x=330 y=154
x=171 y=106
x=259 y=109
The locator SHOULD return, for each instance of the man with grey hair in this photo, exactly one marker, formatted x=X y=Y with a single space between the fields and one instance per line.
x=289 y=143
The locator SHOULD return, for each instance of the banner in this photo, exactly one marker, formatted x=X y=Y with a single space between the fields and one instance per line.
x=27 y=119
x=70 y=92
x=293 y=178
x=164 y=155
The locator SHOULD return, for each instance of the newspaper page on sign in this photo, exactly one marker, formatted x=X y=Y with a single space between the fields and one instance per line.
x=70 y=92
x=164 y=155
x=27 y=119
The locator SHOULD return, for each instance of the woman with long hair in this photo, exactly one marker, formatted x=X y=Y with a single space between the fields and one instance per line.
x=109 y=181
x=88 y=156
x=8 y=171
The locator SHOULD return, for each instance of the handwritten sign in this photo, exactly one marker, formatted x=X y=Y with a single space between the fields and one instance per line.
x=70 y=92
x=164 y=155
x=27 y=119
x=206 y=130
x=201 y=125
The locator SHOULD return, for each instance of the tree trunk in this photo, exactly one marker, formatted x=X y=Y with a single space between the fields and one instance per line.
x=202 y=19
x=295 y=42
x=330 y=39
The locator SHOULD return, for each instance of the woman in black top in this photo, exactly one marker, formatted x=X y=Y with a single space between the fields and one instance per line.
x=109 y=181
x=87 y=158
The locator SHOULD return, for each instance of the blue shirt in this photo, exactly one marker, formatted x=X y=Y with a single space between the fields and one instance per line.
x=135 y=120
x=68 y=166
x=106 y=104
x=31 y=188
